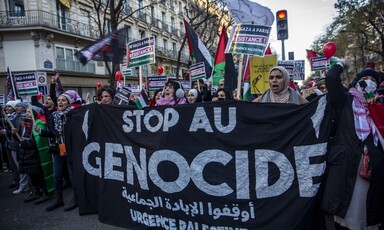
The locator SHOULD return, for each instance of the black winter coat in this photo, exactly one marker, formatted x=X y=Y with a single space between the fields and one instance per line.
x=29 y=159
x=344 y=158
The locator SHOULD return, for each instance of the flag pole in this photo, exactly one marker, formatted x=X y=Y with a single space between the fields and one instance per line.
x=140 y=78
x=239 y=77
x=15 y=94
x=30 y=110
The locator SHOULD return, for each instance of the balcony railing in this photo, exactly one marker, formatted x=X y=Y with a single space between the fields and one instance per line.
x=174 y=31
x=75 y=66
x=142 y=16
x=172 y=54
x=32 y=18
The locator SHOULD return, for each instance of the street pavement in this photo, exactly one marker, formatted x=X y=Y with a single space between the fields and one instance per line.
x=16 y=214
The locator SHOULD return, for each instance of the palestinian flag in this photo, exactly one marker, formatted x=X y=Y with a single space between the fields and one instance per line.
x=142 y=100
x=59 y=89
x=109 y=48
x=246 y=80
x=197 y=50
x=219 y=67
x=312 y=54
x=11 y=89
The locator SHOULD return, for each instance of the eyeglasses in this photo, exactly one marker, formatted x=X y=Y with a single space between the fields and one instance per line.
x=221 y=84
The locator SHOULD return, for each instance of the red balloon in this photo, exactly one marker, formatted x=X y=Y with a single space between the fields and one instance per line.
x=118 y=75
x=39 y=96
x=329 y=49
x=160 y=69
x=99 y=84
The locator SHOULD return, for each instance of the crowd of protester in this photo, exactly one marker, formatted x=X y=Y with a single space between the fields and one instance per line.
x=355 y=198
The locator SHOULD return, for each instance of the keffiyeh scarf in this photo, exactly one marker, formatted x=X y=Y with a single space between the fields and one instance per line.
x=58 y=120
x=363 y=121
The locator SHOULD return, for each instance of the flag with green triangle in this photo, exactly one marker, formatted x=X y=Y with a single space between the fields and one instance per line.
x=197 y=49
x=246 y=80
x=219 y=66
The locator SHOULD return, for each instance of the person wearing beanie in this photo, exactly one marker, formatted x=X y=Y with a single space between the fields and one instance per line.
x=192 y=96
x=12 y=103
x=21 y=105
x=73 y=97
x=55 y=130
x=106 y=94
x=365 y=73
x=279 y=90
x=173 y=94
x=354 y=187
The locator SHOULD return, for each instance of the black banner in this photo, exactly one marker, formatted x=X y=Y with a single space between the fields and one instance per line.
x=221 y=165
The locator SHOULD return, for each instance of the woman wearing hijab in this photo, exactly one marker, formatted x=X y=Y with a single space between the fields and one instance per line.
x=192 y=96
x=279 y=90
x=354 y=191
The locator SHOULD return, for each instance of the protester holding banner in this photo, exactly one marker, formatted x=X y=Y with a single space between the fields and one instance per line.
x=105 y=95
x=319 y=89
x=279 y=90
x=204 y=91
x=354 y=190
x=55 y=129
x=173 y=94
x=156 y=96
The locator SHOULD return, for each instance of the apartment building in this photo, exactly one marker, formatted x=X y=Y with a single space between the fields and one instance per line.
x=43 y=35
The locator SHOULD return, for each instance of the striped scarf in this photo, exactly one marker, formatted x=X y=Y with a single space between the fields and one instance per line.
x=363 y=121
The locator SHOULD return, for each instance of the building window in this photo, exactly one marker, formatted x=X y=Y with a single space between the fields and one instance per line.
x=84 y=27
x=16 y=8
x=165 y=44
x=65 y=60
x=164 y=21
x=129 y=34
x=171 y=5
x=63 y=21
x=180 y=8
x=155 y=39
x=173 y=22
x=127 y=7
x=142 y=34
